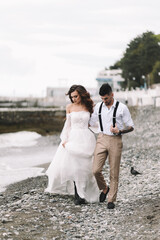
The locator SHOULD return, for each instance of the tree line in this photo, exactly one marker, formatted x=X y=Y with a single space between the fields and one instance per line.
x=140 y=63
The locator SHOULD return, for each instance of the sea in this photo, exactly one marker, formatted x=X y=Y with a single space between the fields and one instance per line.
x=22 y=154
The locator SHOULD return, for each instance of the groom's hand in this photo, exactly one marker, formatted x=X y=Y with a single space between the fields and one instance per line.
x=115 y=129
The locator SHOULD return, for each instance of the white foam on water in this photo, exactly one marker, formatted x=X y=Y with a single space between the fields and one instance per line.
x=21 y=153
x=27 y=159
x=18 y=139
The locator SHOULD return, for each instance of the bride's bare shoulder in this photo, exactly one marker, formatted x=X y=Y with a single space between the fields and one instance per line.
x=68 y=107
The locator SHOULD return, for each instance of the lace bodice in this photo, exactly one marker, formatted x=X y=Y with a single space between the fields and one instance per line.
x=79 y=119
x=75 y=120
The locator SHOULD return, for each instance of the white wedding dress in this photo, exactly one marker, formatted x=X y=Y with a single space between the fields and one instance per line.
x=74 y=162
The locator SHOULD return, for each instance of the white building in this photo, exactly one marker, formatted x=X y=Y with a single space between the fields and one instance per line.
x=112 y=77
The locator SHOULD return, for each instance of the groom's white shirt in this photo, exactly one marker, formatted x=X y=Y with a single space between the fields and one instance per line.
x=123 y=117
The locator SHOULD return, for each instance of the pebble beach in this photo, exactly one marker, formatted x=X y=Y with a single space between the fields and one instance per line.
x=27 y=212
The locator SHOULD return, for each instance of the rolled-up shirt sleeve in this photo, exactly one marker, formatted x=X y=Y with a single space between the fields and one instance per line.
x=127 y=120
x=94 y=117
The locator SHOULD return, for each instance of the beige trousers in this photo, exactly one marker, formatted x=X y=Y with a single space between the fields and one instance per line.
x=111 y=147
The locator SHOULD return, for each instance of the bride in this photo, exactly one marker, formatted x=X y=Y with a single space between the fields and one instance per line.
x=70 y=172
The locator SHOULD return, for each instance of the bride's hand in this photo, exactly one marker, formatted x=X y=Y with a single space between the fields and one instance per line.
x=63 y=144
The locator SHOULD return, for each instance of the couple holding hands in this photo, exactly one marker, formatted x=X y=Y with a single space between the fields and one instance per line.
x=79 y=160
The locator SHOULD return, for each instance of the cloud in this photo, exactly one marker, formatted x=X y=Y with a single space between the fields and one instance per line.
x=11 y=65
x=47 y=40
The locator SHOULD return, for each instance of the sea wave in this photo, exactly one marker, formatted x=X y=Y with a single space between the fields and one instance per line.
x=18 y=139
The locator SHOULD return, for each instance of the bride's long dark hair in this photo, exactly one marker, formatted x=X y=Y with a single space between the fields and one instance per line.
x=85 y=96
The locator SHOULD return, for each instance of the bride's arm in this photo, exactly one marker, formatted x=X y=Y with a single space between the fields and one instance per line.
x=67 y=126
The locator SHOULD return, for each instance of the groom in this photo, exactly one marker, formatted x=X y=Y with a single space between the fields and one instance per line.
x=112 y=116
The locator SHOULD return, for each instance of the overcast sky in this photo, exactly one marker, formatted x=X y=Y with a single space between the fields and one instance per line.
x=47 y=43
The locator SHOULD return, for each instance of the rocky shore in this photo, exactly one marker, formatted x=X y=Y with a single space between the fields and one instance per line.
x=26 y=212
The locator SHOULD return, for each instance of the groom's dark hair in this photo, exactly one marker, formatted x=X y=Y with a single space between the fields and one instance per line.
x=105 y=89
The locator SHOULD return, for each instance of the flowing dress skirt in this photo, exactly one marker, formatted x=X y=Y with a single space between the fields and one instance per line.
x=74 y=163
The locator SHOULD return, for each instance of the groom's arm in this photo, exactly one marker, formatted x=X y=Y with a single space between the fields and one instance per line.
x=94 y=117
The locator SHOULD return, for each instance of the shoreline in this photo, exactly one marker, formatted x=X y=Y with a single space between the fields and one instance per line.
x=44 y=165
x=23 y=155
x=27 y=212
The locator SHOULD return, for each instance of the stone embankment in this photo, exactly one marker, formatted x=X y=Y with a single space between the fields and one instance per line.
x=26 y=212
x=41 y=120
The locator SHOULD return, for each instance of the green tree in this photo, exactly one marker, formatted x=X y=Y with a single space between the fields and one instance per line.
x=155 y=74
x=139 y=59
x=117 y=65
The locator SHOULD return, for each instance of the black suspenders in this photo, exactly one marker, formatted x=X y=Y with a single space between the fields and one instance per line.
x=114 y=115
x=100 y=119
